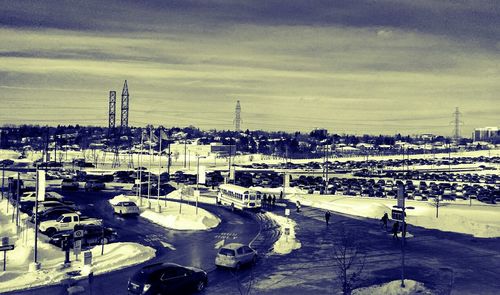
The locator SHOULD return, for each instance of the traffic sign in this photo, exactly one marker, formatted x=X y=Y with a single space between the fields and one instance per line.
x=77 y=247
x=397 y=214
x=87 y=258
x=6 y=247
x=78 y=234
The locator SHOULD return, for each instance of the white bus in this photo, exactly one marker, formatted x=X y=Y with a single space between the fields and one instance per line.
x=238 y=197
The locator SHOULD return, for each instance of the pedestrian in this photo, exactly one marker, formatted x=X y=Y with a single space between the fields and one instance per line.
x=281 y=195
x=384 y=220
x=327 y=217
x=264 y=200
x=269 y=200
x=273 y=201
x=395 y=230
x=403 y=229
x=298 y=207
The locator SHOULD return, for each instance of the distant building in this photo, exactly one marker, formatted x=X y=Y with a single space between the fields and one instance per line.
x=319 y=133
x=486 y=133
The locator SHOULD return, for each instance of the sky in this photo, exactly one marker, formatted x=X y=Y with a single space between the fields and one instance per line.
x=350 y=66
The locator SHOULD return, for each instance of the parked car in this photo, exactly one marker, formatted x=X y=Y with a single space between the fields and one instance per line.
x=69 y=184
x=42 y=206
x=92 y=235
x=52 y=213
x=67 y=221
x=167 y=278
x=125 y=208
x=234 y=255
x=94 y=185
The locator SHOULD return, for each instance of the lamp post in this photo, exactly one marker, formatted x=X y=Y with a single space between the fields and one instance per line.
x=198 y=179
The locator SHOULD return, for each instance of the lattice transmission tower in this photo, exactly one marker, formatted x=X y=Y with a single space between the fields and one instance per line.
x=124 y=113
x=112 y=111
x=237 y=117
x=457 y=122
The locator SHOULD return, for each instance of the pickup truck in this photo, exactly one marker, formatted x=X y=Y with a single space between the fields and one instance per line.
x=66 y=222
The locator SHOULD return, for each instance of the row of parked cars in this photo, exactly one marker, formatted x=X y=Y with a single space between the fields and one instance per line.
x=171 y=278
x=57 y=219
x=492 y=179
x=346 y=166
x=387 y=188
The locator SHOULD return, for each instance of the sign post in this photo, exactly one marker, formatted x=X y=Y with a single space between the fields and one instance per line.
x=5 y=247
x=401 y=204
x=87 y=258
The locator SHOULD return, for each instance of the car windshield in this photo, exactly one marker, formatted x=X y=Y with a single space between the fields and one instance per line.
x=227 y=252
x=128 y=204
x=59 y=218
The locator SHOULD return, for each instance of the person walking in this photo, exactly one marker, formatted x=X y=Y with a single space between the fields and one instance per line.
x=327 y=217
x=298 y=207
x=395 y=230
x=273 y=200
x=384 y=220
x=403 y=229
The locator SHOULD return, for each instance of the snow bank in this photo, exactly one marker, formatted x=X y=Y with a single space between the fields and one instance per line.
x=394 y=288
x=286 y=243
x=116 y=256
x=17 y=277
x=479 y=220
x=174 y=215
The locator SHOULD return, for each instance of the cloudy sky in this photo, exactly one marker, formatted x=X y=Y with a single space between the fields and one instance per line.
x=351 y=66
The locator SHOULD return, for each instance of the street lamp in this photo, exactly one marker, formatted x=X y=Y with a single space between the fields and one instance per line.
x=198 y=179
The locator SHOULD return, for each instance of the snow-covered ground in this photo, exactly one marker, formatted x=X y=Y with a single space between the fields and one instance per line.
x=172 y=215
x=394 y=288
x=18 y=276
x=286 y=243
x=480 y=220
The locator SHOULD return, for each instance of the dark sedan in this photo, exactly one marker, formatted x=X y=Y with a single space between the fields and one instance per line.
x=167 y=278
x=92 y=235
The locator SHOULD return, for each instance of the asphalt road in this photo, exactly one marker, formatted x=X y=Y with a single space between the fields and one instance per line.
x=448 y=263
x=194 y=248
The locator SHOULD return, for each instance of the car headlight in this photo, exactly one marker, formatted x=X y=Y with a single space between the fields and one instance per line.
x=146 y=288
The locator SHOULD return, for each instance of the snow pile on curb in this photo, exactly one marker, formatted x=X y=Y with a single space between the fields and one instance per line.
x=479 y=220
x=286 y=243
x=116 y=256
x=169 y=216
x=394 y=288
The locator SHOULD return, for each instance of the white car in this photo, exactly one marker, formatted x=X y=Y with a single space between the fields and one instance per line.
x=126 y=207
x=234 y=255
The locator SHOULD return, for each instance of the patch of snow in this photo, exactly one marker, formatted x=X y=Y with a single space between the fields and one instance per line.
x=174 y=215
x=51 y=258
x=286 y=243
x=394 y=288
x=479 y=220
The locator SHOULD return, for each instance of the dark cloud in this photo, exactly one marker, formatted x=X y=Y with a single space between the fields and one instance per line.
x=469 y=20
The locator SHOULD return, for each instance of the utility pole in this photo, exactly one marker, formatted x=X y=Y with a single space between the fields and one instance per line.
x=198 y=180
x=185 y=152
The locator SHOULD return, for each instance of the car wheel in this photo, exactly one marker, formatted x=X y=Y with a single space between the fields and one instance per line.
x=50 y=231
x=200 y=286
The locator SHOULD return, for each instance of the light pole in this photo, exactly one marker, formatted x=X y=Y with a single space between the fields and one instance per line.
x=198 y=179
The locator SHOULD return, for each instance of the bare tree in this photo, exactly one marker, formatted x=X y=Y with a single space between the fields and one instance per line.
x=348 y=260
x=436 y=202
x=243 y=288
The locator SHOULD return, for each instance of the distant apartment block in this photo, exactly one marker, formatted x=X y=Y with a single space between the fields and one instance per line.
x=486 y=133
